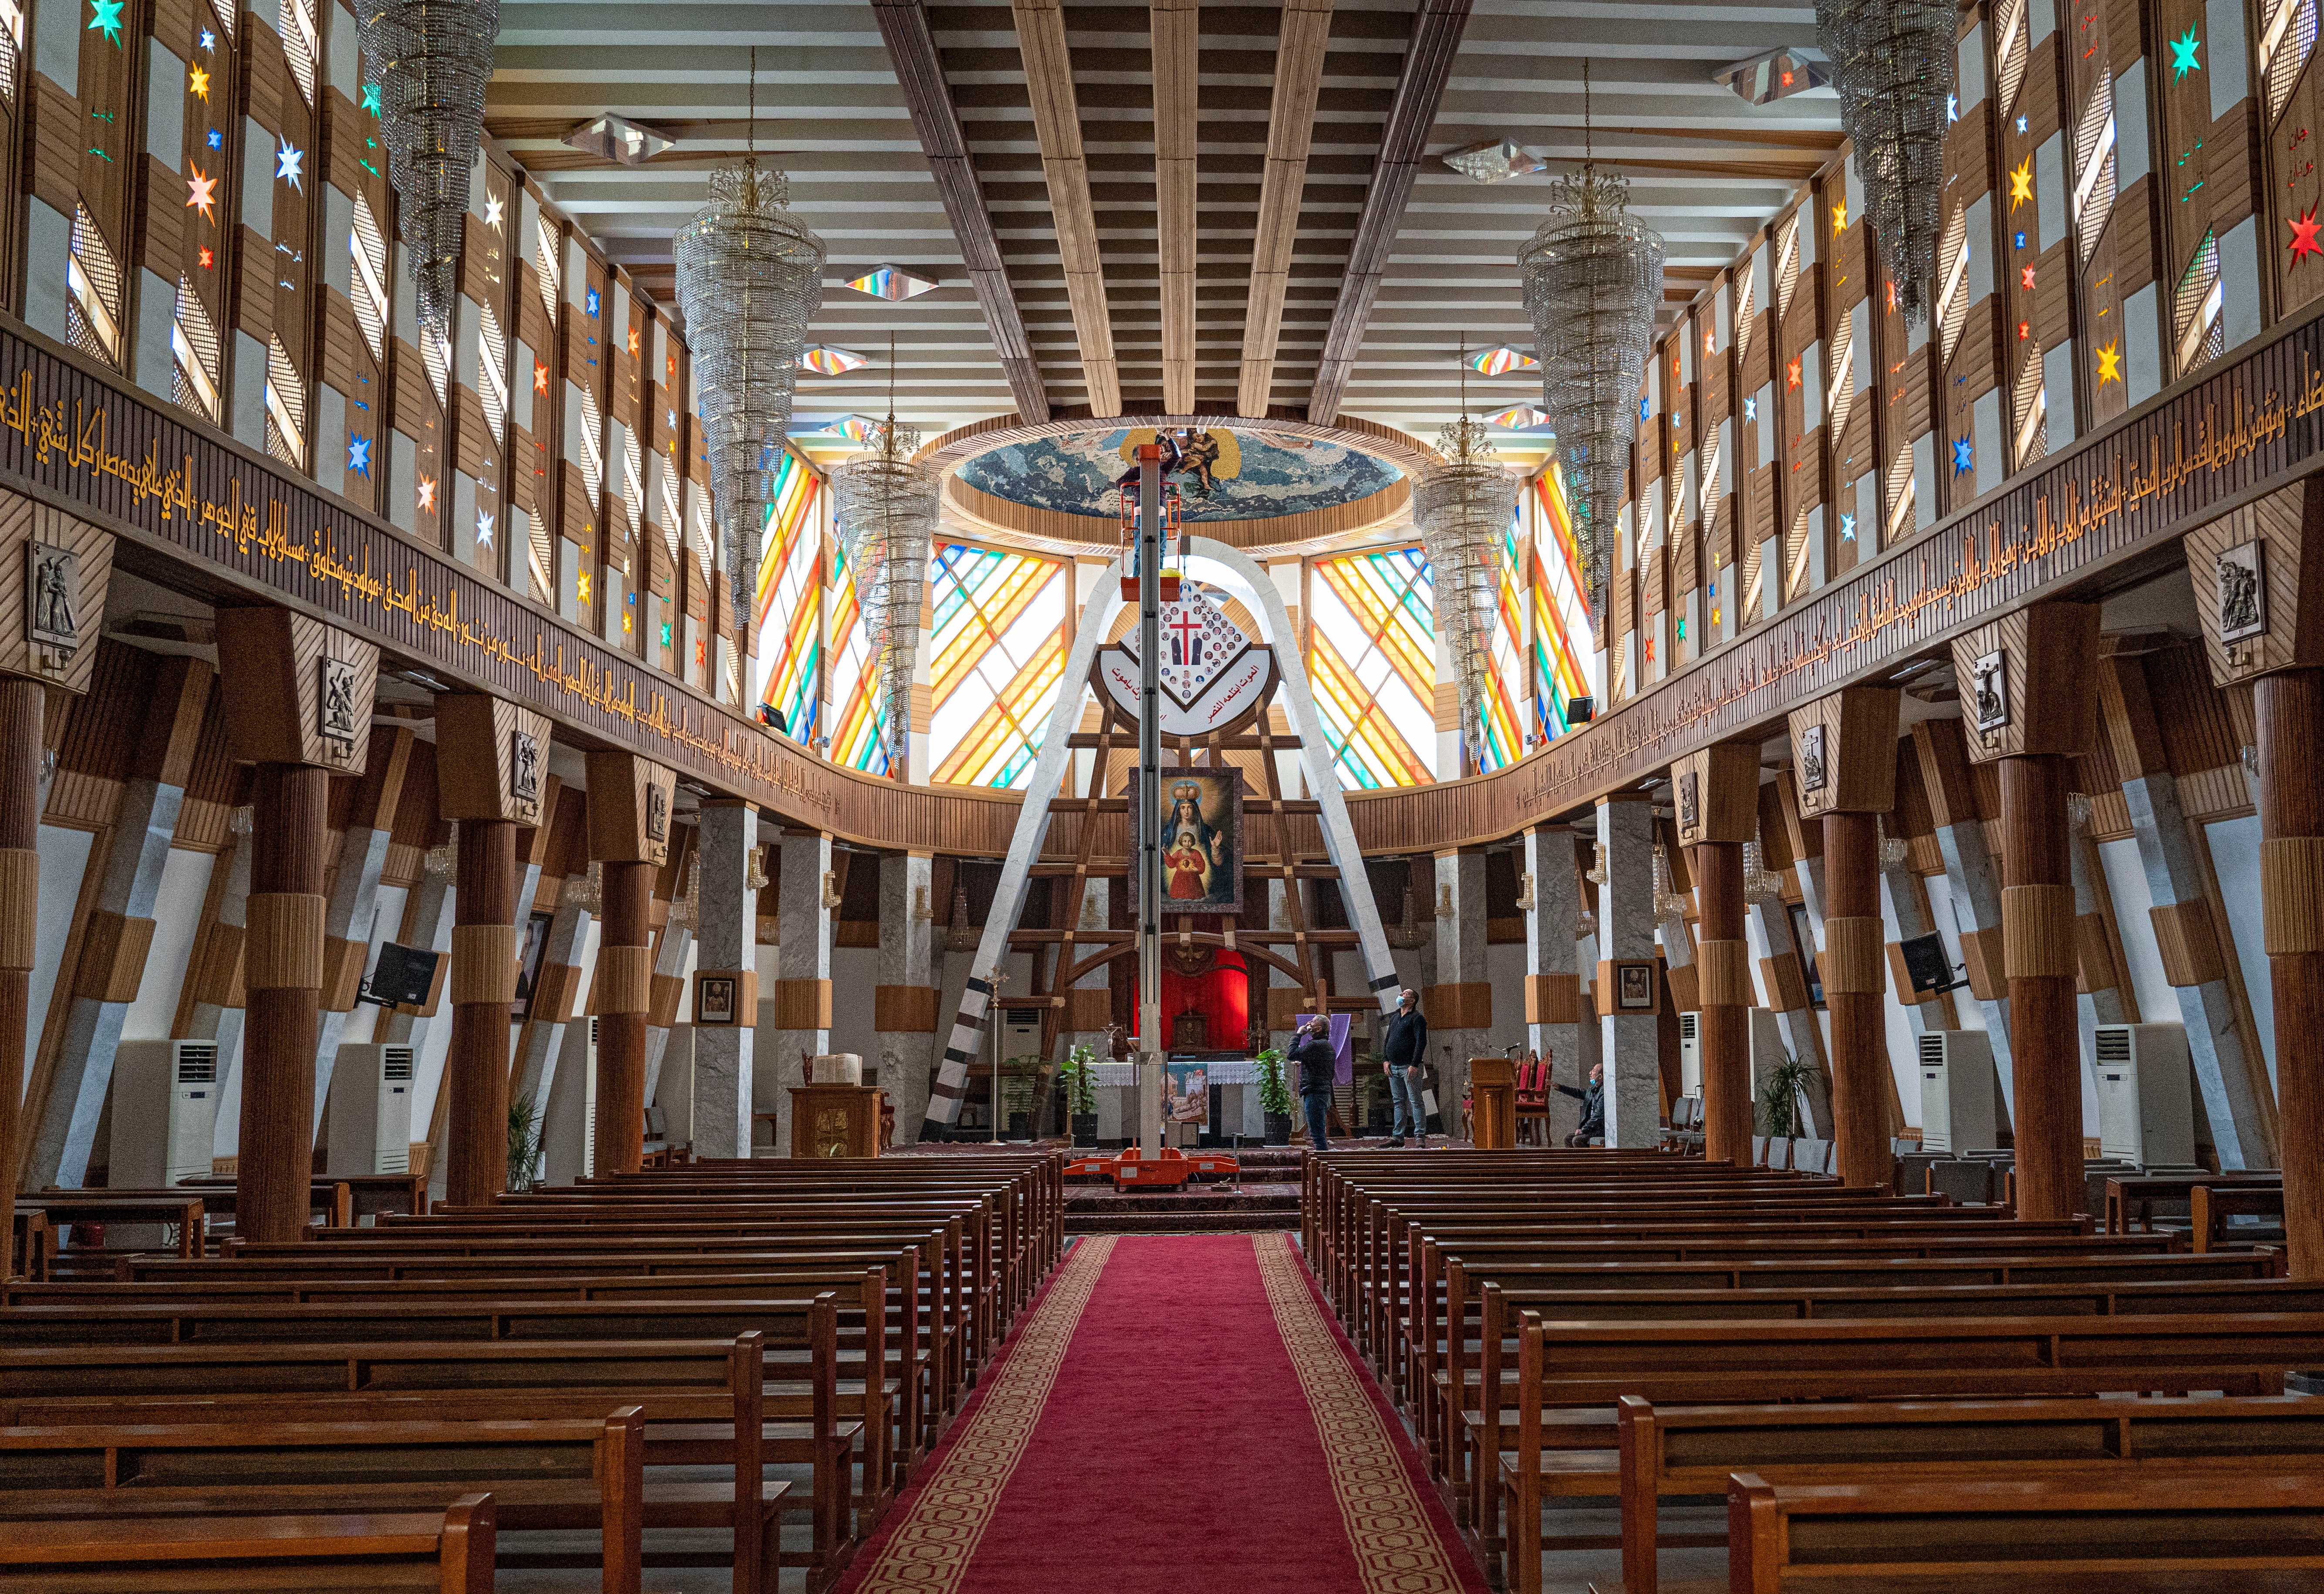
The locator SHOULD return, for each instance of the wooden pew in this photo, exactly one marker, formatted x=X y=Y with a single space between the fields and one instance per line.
x=2213 y=1204
x=1690 y=1450
x=167 y=1209
x=1571 y=1374
x=2135 y=1195
x=2035 y=1532
x=449 y=1550
x=543 y=1474
x=705 y=1403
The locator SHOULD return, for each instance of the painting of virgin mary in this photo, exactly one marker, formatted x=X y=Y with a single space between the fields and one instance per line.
x=1200 y=832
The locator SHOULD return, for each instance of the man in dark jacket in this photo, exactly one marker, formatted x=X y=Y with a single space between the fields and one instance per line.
x=1404 y=1042
x=1593 y=1107
x=1317 y=1063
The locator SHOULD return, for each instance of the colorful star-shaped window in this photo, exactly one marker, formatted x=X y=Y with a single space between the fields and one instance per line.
x=1751 y=409
x=2021 y=123
x=289 y=165
x=1953 y=107
x=540 y=377
x=106 y=19
x=209 y=259
x=2021 y=182
x=2026 y=275
x=1848 y=528
x=2184 y=50
x=2025 y=331
x=592 y=301
x=633 y=340
x=428 y=493
x=201 y=194
x=2110 y=363
x=209 y=40
x=2304 y=240
x=2020 y=240
x=582 y=579
x=198 y=84
x=370 y=99
x=493 y=209
x=1791 y=373
x=484 y=529
x=1961 y=456
x=1892 y=295
x=1707 y=337
x=1839 y=217
x=359 y=455
x=216 y=139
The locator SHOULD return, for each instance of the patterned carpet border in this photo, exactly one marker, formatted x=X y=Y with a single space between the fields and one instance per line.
x=929 y=1551
x=1388 y=1527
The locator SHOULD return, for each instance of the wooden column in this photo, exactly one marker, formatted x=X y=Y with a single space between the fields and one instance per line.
x=2259 y=626
x=1844 y=766
x=1853 y=967
x=482 y=988
x=298 y=702
x=629 y=838
x=20 y=705
x=1717 y=796
x=492 y=761
x=282 y=974
x=2029 y=699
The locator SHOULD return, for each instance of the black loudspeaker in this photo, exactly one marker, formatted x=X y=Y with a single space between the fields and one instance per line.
x=1926 y=966
x=1581 y=710
x=400 y=978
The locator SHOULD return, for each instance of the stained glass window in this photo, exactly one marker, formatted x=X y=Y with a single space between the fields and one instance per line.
x=1505 y=687
x=1562 y=647
x=998 y=652
x=1371 y=661
x=789 y=639
x=858 y=724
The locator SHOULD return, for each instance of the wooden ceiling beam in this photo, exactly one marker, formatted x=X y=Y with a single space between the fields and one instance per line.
x=904 y=25
x=1436 y=40
x=1177 y=30
x=1056 y=122
x=1306 y=34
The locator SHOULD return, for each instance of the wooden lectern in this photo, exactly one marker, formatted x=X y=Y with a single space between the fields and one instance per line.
x=1493 y=1103
x=835 y=1120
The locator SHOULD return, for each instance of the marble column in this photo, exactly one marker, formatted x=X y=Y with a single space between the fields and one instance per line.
x=1631 y=1040
x=1973 y=878
x=726 y=924
x=1553 y=982
x=1787 y=850
x=354 y=900
x=103 y=987
x=2194 y=959
x=904 y=1016
x=1459 y=1005
x=800 y=1022
x=1089 y=1005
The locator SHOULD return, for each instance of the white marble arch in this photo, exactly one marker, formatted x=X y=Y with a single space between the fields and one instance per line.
x=1244 y=574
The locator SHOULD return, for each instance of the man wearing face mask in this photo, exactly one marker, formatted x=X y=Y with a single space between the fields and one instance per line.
x=1317 y=1064
x=1404 y=1042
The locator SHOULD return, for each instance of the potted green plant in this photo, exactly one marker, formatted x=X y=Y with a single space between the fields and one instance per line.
x=524 y=1145
x=1274 y=1095
x=1080 y=1094
x=1779 y=1099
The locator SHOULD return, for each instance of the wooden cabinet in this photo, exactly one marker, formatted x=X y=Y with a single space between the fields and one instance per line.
x=835 y=1120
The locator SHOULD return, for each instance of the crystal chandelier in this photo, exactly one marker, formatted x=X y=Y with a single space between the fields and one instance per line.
x=584 y=892
x=682 y=911
x=433 y=58
x=1893 y=63
x=1463 y=503
x=750 y=277
x=1594 y=278
x=443 y=860
x=1760 y=883
x=1893 y=853
x=887 y=517
x=1668 y=902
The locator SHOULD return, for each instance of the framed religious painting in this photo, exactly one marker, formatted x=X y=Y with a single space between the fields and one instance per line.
x=1200 y=811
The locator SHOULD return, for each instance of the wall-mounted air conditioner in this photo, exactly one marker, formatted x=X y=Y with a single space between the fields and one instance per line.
x=2146 y=1094
x=371 y=1109
x=164 y=1111
x=1957 y=1092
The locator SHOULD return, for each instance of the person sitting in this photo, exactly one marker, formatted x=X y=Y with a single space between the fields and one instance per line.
x=1317 y=1064
x=1593 y=1107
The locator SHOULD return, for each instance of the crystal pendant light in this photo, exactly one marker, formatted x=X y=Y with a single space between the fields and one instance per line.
x=750 y=277
x=1892 y=847
x=1760 y=883
x=1462 y=502
x=1593 y=279
x=432 y=59
x=887 y=518
x=1668 y=902
x=1893 y=63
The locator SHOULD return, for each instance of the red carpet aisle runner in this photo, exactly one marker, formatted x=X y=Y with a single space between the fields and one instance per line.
x=1179 y=1415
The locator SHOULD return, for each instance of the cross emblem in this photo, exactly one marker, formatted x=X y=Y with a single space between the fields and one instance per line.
x=1190 y=634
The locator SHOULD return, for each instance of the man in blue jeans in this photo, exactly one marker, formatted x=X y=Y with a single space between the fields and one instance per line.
x=1316 y=1062
x=1404 y=1043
